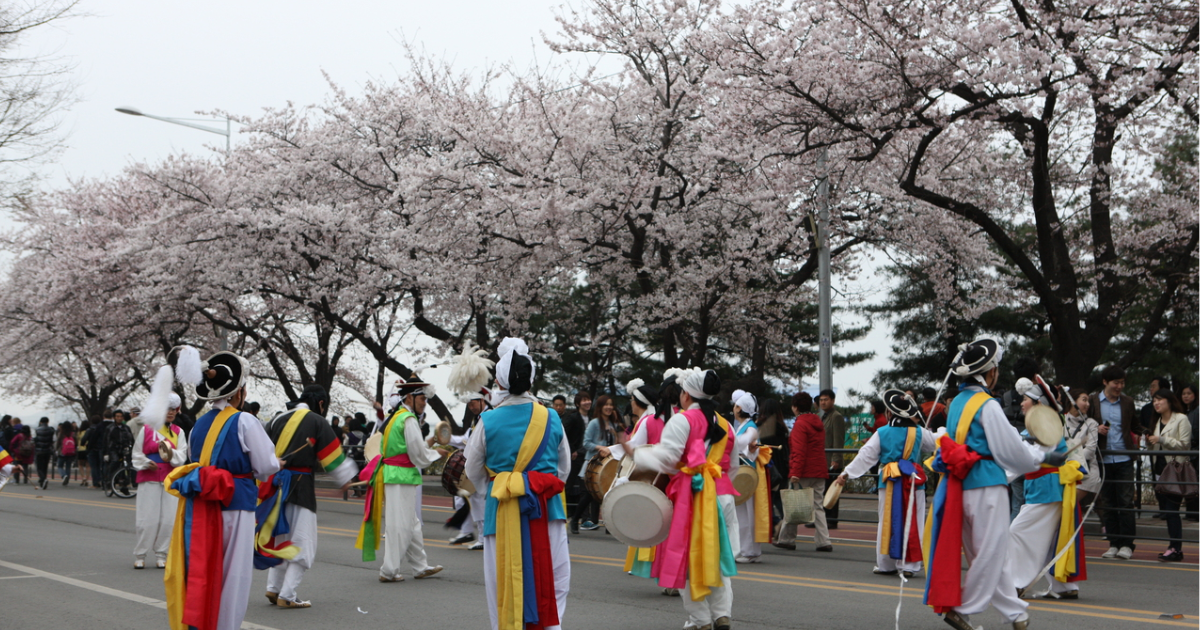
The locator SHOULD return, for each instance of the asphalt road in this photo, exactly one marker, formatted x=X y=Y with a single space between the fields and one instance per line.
x=66 y=557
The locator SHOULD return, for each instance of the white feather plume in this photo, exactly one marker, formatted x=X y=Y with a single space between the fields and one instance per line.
x=154 y=412
x=188 y=366
x=471 y=370
x=678 y=373
x=633 y=385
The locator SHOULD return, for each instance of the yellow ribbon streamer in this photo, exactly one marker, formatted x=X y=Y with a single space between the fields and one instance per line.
x=1068 y=476
x=175 y=576
x=704 y=554
x=762 y=497
x=974 y=404
x=507 y=487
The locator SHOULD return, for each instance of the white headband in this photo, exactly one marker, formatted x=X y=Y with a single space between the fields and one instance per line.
x=693 y=384
x=748 y=403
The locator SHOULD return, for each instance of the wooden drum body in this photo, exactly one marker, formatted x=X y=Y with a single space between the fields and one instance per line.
x=600 y=474
x=454 y=478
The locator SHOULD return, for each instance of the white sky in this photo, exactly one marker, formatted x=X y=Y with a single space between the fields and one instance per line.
x=177 y=58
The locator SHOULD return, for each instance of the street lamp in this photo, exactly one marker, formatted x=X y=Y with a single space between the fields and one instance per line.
x=133 y=111
x=222 y=334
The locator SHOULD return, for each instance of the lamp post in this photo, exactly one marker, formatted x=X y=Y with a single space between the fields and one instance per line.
x=227 y=131
x=222 y=334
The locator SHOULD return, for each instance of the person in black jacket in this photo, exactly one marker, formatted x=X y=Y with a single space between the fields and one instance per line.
x=574 y=425
x=96 y=445
x=43 y=448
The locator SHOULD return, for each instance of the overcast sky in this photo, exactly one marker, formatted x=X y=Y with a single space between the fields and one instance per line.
x=177 y=58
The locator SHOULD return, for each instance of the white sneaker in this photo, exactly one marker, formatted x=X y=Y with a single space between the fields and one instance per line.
x=748 y=560
x=1125 y=553
x=1111 y=553
x=476 y=546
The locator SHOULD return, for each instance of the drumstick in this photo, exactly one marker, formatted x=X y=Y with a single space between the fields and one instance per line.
x=309 y=442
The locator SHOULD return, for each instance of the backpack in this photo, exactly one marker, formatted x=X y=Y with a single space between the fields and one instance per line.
x=68 y=446
x=25 y=449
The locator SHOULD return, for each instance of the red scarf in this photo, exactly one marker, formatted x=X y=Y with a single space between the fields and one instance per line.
x=944 y=590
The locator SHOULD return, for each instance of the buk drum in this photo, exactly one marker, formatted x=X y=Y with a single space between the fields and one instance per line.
x=745 y=481
x=454 y=477
x=600 y=474
x=636 y=510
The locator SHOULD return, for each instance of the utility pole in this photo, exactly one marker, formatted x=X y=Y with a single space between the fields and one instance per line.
x=824 y=317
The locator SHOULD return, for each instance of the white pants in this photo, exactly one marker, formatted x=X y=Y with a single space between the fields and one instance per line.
x=156 y=509
x=285 y=577
x=405 y=539
x=745 y=518
x=239 y=568
x=559 y=554
x=986 y=541
x=719 y=602
x=885 y=562
x=1032 y=536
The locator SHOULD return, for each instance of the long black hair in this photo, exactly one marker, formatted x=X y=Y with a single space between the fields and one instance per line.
x=668 y=398
x=712 y=386
x=520 y=375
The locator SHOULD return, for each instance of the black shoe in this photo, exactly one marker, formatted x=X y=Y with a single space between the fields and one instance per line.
x=810 y=525
x=65 y=480
x=574 y=527
x=825 y=548
x=1171 y=555
x=832 y=526
x=788 y=546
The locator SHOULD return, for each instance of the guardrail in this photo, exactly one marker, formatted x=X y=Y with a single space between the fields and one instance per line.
x=1145 y=499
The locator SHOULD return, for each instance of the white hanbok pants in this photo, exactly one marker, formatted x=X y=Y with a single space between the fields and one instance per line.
x=239 y=568
x=1033 y=535
x=745 y=519
x=986 y=543
x=885 y=562
x=156 y=509
x=285 y=577
x=719 y=602
x=559 y=554
x=404 y=546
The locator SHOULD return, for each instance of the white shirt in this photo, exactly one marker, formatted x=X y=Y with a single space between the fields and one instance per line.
x=663 y=457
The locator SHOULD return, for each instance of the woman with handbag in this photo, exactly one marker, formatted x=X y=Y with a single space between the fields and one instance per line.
x=1172 y=432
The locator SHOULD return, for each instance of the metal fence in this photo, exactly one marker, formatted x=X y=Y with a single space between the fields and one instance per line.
x=1145 y=498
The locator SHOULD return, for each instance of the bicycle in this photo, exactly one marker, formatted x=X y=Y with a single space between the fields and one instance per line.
x=123 y=481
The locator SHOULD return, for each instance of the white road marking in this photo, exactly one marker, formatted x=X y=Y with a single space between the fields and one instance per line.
x=133 y=597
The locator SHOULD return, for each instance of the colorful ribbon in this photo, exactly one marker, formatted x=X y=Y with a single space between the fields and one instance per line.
x=1071 y=565
x=762 y=497
x=943 y=526
x=195 y=561
x=372 y=524
x=522 y=597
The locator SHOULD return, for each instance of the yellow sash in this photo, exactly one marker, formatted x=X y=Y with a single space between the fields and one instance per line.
x=704 y=555
x=960 y=435
x=175 y=577
x=507 y=488
x=264 y=533
x=1068 y=476
x=762 y=497
x=377 y=492
x=891 y=472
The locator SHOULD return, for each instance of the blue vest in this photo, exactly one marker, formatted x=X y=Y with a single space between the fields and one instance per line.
x=1047 y=488
x=891 y=447
x=986 y=472
x=745 y=425
x=229 y=456
x=503 y=431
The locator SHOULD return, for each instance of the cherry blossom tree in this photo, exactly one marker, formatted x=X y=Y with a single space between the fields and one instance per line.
x=1029 y=126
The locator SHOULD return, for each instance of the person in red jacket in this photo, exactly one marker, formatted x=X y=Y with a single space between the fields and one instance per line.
x=808 y=469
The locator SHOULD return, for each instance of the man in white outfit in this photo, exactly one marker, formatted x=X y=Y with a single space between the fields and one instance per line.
x=976 y=425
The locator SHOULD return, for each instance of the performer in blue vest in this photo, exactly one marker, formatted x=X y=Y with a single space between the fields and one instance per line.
x=1044 y=528
x=970 y=510
x=230 y=449
x=519 y=452
x=897 y=448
